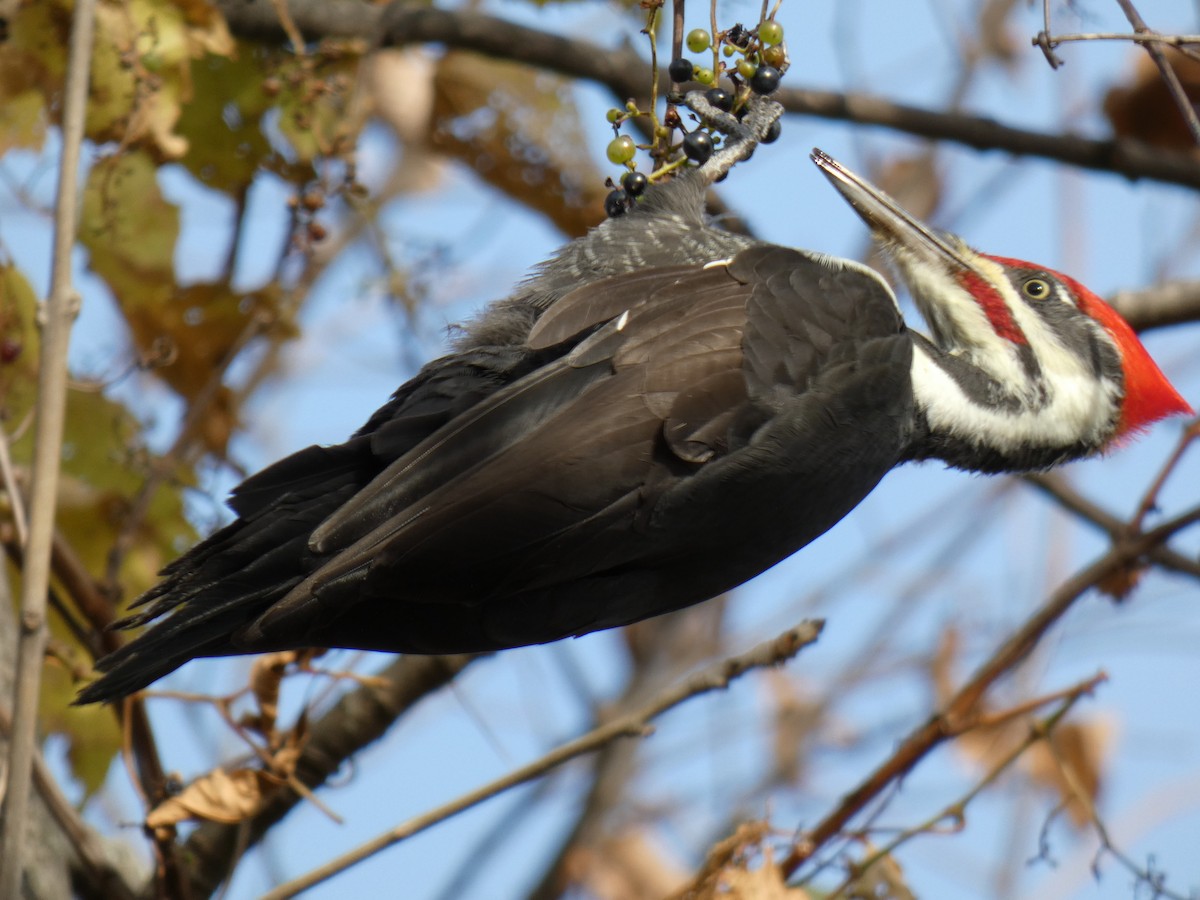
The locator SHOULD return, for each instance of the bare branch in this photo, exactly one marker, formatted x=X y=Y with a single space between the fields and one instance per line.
x=957 y=713
x=359 y=718
x=1057 y=487
x=634 y=724
x=1170 y=79
x=956 y=812
x=57 y=315
x=625 y=73
x=1159 y=306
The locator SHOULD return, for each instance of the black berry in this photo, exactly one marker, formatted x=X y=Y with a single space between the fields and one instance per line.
x=765 y=80
x=680 y=70
x=698 y=146
x=720 y=98
x=773 y=132
x=616 y=204
x=634 y=183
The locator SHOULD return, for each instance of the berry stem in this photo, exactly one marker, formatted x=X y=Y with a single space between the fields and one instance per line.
x=652 y=19
x=677 y=29
x=716 y=42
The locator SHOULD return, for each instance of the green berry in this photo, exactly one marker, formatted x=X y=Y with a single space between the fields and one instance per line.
x=621 y=150
x=698 y=40
x=705 y=76
x=770 y=33
x=728 y=50
x=613 y=116
x=746 y=68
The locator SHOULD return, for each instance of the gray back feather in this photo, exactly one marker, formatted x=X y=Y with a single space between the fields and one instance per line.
x=667 y=227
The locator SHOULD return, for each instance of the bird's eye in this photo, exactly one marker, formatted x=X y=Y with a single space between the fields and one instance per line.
x=1036 y=288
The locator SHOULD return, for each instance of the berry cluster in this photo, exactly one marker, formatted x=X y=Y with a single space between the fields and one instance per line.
x=761 y=57
x=758 y=68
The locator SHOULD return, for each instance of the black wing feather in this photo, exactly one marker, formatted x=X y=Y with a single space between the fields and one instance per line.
x=662 y=436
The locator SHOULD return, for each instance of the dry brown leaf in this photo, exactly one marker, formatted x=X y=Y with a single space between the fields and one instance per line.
x=265 y=677
x=943 y=664
x=230 y=797
x=723 y=855
x=792 y=724
x=628 y=866
x=399 y=91
x=1079 y=745
x=1142 y=108
x=1081 y=749
x=984 y=745
x=678 y=639
x=884 y=880
x=219 y=796
x=996 y=39
x=763 y=883
x=518 y=128
x=1120 y=584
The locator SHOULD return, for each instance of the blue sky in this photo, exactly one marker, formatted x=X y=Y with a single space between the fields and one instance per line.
x=982 y=569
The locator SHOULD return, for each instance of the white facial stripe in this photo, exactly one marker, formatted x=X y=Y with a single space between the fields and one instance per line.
x=962 y=324
x=1079 y=409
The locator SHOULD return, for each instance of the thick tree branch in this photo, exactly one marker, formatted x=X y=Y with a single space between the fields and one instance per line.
x=627 y=75
x=1160 y=306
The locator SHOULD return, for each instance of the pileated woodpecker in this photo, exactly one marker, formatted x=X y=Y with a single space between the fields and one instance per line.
x=662 y=412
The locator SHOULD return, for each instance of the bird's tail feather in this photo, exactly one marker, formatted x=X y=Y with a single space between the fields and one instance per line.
x=202 y=626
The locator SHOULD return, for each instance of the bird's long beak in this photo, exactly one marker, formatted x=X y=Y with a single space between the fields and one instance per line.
x=893 y=226
x=939 y=268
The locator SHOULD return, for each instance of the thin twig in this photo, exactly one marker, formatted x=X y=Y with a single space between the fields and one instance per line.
x=1081 y=795
x=965 y=703
x=1170 y=79
x=56 y=317
x=956 y=812
x=15 y=499
x=634 y=724
x=1058 y=489
x=1172 y=40
x=1149 y=500
x=624 y=73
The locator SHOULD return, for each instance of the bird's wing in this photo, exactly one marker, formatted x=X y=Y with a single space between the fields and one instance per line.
x=682 y=367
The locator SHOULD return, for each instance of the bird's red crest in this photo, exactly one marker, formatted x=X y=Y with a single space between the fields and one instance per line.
x=1149 y=396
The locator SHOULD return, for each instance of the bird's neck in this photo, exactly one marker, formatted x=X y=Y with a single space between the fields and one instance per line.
x=973 y=418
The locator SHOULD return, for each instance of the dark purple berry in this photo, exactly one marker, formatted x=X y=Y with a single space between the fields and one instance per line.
x=773 y=132
x=698 y=146
x=765 y=80
x=720 y=98
x=616 y=204
x=634 y=183
x=680 y=70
